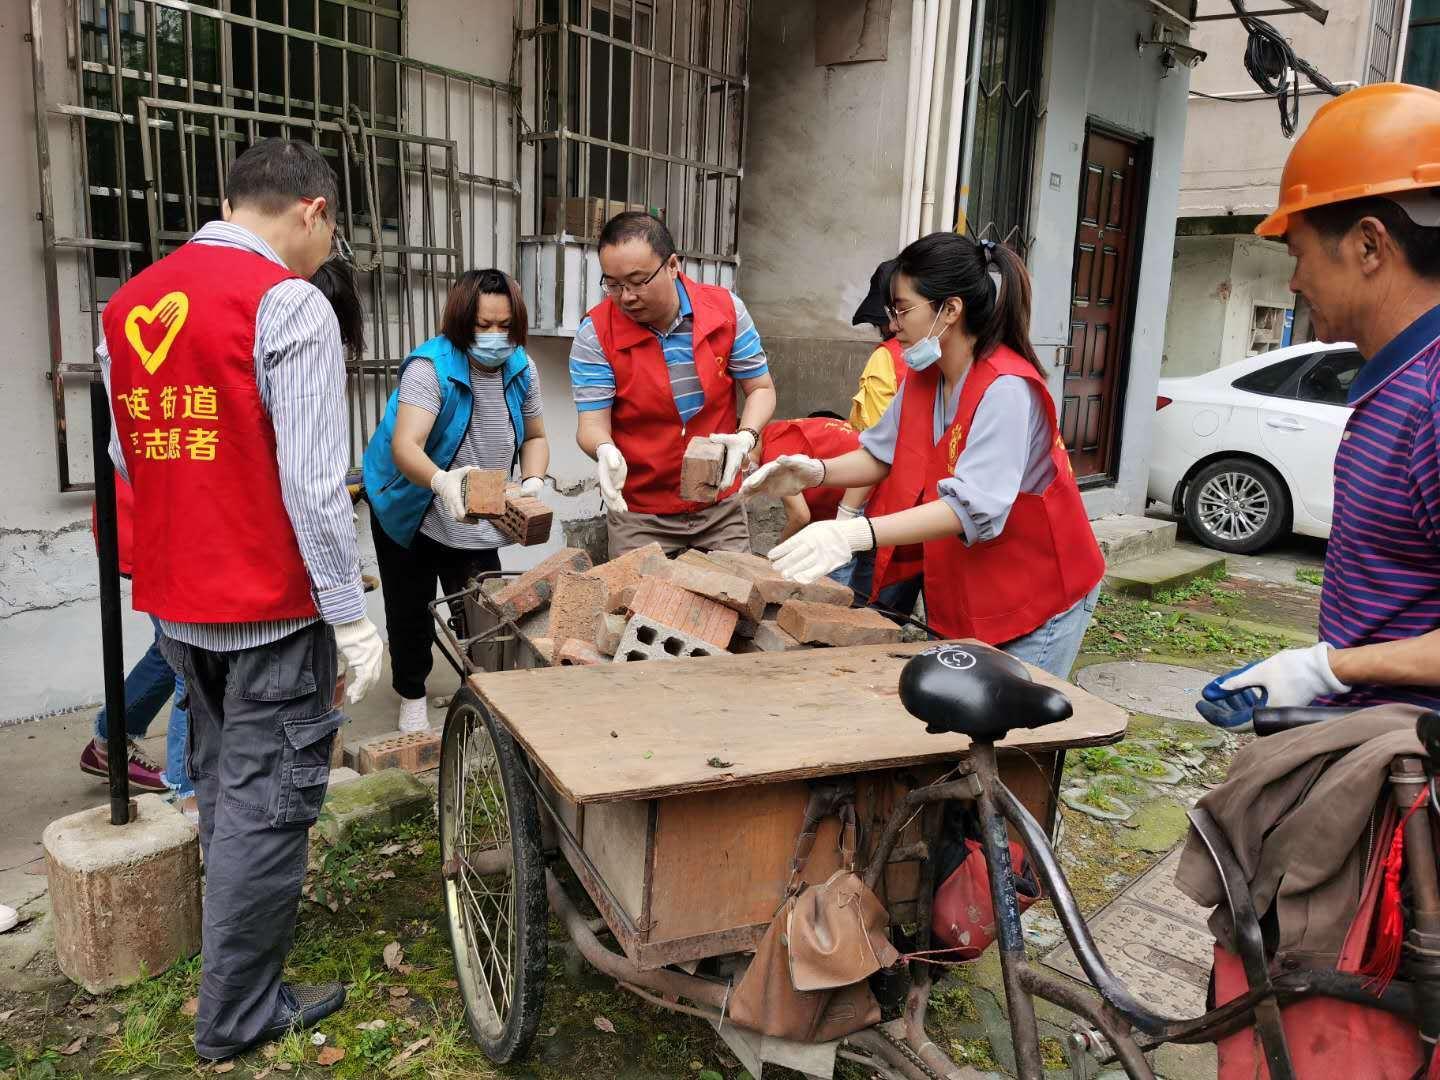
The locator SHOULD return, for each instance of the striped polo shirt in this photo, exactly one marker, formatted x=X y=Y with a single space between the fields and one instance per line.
x=592 y=381
x=1382 y=569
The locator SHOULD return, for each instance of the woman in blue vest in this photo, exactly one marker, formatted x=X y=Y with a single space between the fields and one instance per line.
x=468 y=399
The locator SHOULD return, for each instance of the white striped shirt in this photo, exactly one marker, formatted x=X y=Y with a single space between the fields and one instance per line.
x=300 y=372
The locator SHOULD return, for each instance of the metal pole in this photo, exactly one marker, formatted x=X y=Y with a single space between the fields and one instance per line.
x=111 y=646
x=967 y=146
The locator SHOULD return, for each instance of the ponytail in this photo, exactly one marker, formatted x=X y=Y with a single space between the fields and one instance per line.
x=989 y=279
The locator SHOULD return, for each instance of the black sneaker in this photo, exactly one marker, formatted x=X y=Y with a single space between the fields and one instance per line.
x=302 y=1007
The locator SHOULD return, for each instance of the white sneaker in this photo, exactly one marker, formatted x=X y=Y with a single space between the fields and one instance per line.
x=413 y=715
x=9 y=917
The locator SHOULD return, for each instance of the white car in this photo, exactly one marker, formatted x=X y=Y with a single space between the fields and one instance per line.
x=1247 y=452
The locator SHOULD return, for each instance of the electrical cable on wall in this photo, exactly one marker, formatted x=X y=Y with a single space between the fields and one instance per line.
x=1276 y=68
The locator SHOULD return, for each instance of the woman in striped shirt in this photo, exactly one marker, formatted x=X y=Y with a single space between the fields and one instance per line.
x=468 y=398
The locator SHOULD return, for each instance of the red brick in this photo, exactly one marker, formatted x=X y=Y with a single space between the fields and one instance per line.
x=532 y=589
x=734 y=592
x=701 y=469
x=611 y=631
x=485 y=493
x=577 y=610
x=770 y=638
x=526 y=521
x=626 y=570
x=828 y=624
x=414 y=752
x=774 y=586
x=695 y=616
x=579 y=654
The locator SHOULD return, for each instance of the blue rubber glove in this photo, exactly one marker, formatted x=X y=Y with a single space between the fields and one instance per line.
x=1233 y=710
x=1290 y=677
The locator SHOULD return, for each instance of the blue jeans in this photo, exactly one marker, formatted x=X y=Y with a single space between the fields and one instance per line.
x=148 y=686
x=1054 y=646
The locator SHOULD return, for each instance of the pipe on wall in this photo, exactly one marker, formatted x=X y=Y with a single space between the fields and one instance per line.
x=955 y=132
x=912 y=107
x=936 y=128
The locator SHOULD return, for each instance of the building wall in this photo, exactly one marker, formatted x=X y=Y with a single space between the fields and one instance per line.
x=1217 y=282
x=1235 y=150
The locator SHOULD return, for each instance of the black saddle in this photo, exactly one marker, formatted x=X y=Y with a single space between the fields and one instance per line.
x=977 y=691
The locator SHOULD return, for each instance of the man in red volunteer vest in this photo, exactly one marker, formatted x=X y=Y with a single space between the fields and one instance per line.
x=653 y=365
x=227 y=389
x=975 y=472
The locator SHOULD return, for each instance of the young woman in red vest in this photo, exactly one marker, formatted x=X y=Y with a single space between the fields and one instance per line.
x=976 y=473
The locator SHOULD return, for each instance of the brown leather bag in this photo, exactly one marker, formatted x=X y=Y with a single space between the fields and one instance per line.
x=836 y=943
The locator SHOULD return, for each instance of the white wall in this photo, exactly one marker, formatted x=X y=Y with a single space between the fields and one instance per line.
x=1217 y=282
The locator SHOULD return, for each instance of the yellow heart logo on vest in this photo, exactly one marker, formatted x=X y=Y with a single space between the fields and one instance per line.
x=170 y=313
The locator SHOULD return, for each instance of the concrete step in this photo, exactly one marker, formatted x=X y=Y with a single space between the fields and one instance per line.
x=1169 y=570
x=1125 y=537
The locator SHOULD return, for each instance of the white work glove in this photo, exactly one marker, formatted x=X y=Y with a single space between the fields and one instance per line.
x=736 y=447
x=532 y=486
x=359 y=643
x=1292 y=677
x=450 y=487
x=822 y=547
x=611 y=470
x=845 y=513
x=789 y=474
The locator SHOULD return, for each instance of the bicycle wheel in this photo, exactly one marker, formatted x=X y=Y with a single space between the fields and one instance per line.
x=494 y=873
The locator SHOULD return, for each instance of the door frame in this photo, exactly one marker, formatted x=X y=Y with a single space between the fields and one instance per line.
x=1143 y=146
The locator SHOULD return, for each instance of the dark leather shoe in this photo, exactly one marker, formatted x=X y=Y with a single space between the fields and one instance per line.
x=302 y=1006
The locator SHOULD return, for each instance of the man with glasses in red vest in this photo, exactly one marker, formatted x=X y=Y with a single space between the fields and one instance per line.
x=655 y=364
x=226 y=376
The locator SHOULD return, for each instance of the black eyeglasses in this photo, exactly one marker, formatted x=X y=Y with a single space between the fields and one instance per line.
x=617 y=288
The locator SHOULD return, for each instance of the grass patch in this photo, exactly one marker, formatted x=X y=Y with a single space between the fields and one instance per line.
x=1309 y=575
x=1211 y=589
x=1126 y=628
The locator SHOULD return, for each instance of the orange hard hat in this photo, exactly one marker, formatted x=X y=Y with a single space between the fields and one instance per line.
x=1375 y=140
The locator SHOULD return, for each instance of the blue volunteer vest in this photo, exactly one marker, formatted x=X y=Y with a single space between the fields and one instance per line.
x=398 y=504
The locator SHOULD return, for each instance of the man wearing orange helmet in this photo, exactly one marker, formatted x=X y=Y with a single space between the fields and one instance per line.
x=1360 y=212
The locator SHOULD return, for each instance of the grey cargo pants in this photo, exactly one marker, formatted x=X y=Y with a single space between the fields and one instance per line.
x=261 y=728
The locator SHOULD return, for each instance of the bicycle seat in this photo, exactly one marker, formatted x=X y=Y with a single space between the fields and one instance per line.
x=977 y=691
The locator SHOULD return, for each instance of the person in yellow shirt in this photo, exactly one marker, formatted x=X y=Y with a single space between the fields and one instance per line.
x=884 y=371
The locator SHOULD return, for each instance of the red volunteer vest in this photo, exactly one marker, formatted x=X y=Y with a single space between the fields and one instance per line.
x=644 y=421
x=817 y=437
x=212 y=540
x=1046 y=558
x=897 y=358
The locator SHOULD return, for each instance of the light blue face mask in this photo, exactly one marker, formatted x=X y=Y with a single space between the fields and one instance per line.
x=491 y=350
x=926 y=351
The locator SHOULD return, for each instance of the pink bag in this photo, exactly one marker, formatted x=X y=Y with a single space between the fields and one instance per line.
x=963 y=918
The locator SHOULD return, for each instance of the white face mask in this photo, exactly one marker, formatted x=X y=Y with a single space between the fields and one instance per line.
x=926 y=351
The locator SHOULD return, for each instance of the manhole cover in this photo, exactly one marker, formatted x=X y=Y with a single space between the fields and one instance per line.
x=1157 y=689
x=1155 y=940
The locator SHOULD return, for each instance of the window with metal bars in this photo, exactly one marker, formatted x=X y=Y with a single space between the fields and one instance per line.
x=628 y=105
x=1422 y=45
x=1008 y=108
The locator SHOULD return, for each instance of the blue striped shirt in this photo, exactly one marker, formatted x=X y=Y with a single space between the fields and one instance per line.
x=1382 y=568
x=592 y=381
x=300 y=372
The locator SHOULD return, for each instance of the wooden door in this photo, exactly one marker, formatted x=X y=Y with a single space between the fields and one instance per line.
x=1106 y=240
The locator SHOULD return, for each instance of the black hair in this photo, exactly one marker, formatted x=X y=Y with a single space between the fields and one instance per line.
x=825 y=414
x=946 y=264
x=458 y=322
x=336 y=279
x=274 y=173
x=638 y=225
x=1420 y=244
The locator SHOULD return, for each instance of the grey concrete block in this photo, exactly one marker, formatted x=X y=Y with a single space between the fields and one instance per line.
x=1160 y=573
x=646 y=639
x=379 y=800
x=1125 y=537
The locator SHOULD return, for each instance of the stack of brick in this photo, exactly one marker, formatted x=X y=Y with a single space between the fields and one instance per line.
x=526 y=520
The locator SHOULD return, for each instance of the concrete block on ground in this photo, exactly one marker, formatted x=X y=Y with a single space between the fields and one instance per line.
x=774 y=587
x=828 y=624
x=417 y=751
x=485 y=493
x=578 y=609
x=612 y=629
x=342 y=775
x=735 y=592
x=625 y=571
x=575 y=653
x=526 y=520
x=769 y=637
x=1161 y=573
x=701 y=469
x=380 y=800
x=1123 y=537
x=646 y=639
x=696 y=616
x=125 y=900
x=532 y=589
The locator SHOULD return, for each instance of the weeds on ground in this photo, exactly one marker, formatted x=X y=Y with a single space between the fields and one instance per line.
x=1126 y=628
x=1309 y=575
x=1213 y=590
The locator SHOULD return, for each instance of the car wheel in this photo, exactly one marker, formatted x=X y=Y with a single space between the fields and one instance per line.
x=1236 y=505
